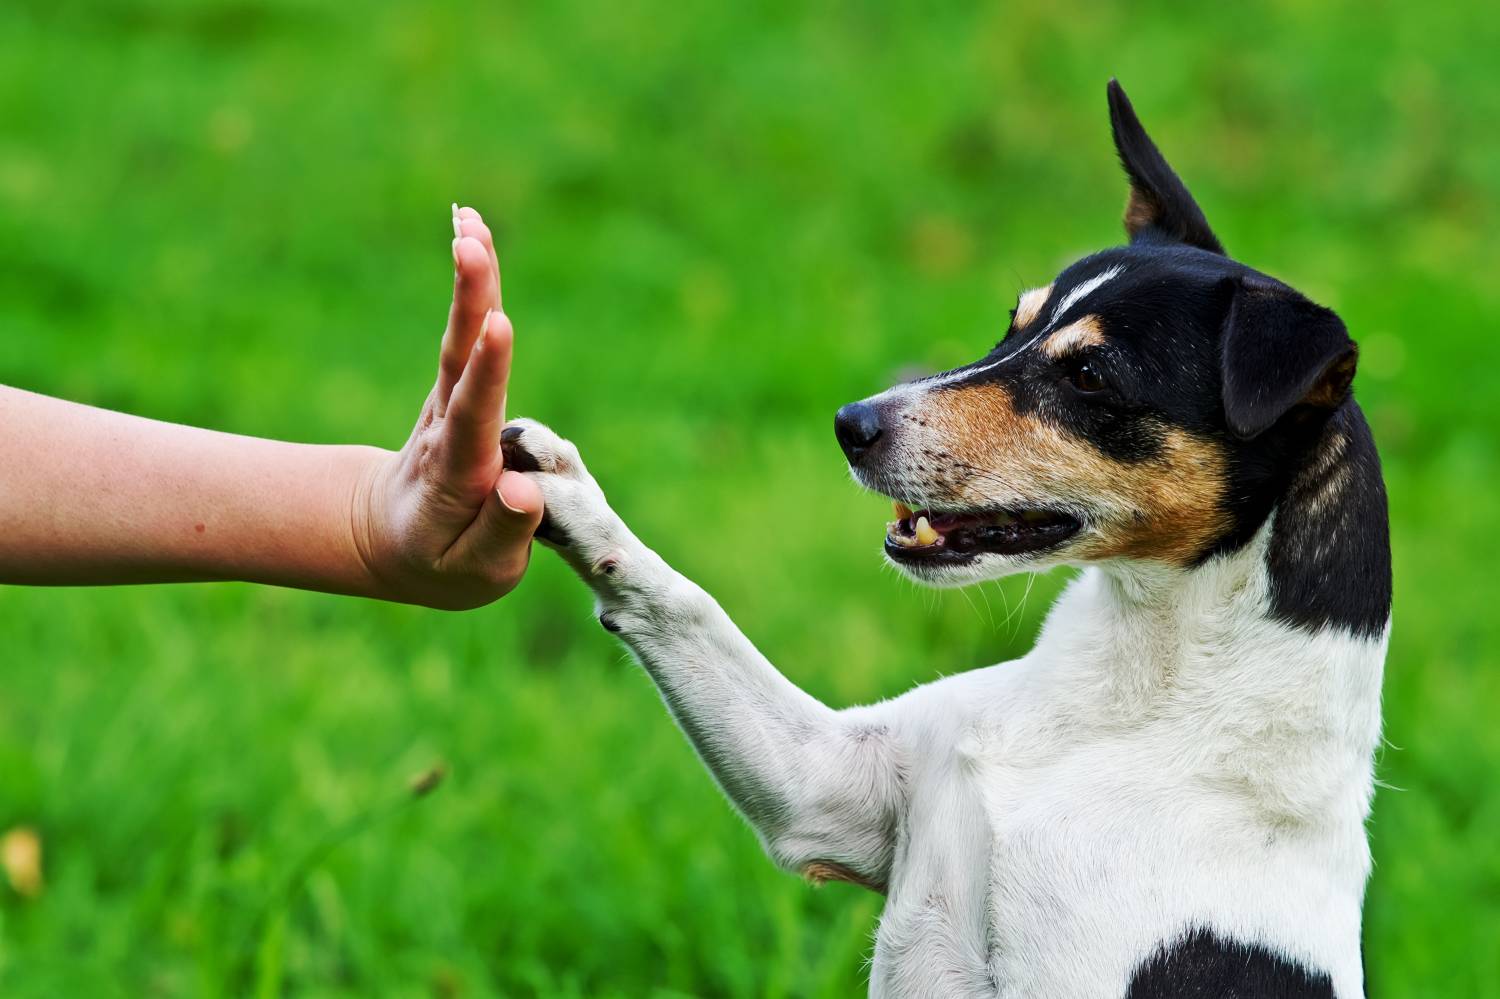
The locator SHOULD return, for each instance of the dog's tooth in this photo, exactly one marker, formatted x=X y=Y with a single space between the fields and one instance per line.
x=925 y=534
x=902 y=510
x=894 y=533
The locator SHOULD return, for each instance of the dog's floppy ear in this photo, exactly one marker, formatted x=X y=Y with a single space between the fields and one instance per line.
x=1160 y=204
x=1281 y=351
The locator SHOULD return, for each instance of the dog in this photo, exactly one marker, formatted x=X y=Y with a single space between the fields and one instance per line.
x=1167 y=795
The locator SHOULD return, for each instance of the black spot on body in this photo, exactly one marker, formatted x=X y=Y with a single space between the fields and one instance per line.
x=1202 y=965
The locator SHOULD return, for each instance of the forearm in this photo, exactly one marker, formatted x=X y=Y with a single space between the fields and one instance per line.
x=89 y=496
x=819 y=785
x=822 y=787
x=752 y=726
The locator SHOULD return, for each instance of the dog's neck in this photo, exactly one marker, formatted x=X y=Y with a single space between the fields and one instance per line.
x=1318 y=566
x=1274 y=647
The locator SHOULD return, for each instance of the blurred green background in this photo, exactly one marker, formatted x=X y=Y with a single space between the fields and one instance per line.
x=717 y=223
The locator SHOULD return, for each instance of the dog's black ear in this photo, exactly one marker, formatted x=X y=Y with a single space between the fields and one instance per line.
x=1280 y=352
x=1160 y=205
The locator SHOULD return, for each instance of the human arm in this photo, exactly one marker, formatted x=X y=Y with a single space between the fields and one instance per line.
x=89 y=496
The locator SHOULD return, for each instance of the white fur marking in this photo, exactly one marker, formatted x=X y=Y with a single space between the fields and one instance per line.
x=1081 y=290
x=1074 y=295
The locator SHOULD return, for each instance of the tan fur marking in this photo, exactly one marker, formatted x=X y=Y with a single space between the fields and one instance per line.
x=819 y=872
x=1140 y=212
x=1073 y=337
x=1030 y=306
x=1168 y=508
x=1331 y=389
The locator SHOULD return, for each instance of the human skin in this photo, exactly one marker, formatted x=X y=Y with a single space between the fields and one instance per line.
x=89 y=496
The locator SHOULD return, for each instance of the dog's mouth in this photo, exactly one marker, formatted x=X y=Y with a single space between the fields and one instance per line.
x=919 y=535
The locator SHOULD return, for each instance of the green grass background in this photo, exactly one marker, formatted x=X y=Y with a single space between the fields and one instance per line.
x=717 y=223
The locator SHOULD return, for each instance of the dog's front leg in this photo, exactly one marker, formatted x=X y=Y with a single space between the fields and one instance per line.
x=823 y=788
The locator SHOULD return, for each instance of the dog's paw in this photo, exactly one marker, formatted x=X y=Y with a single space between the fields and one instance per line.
x=529 y=446
x=576 y=516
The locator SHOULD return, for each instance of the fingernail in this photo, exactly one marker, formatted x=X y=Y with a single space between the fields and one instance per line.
x=458 y=226
x=500 y=492
x=484 y=329
x=455 y=253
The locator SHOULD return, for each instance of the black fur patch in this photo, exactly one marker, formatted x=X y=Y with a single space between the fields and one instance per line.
x=1281 y=350
x=1200 y=965
x=1330 y=554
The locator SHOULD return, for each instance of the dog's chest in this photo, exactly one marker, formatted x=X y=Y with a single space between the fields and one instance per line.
x=1092 y=852
x=1031 y=842
x=1003 y=858
x=1050 y=863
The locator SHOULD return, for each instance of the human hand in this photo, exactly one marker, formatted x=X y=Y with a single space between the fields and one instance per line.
x=441 y=523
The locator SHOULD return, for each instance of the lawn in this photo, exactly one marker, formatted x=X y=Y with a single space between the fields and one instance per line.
x=717 y=223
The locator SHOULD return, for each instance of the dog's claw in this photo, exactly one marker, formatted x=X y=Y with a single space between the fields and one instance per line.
x=516 y=456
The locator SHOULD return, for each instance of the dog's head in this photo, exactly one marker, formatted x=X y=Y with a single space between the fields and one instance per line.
x=1148 y=404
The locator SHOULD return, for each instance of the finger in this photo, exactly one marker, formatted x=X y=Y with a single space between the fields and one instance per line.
x=471 y=224
x=521 y=498
x=500 y=537
x=473 y=293
x=476 y=413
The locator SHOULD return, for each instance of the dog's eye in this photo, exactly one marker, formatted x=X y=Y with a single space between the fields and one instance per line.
x=1086 y=378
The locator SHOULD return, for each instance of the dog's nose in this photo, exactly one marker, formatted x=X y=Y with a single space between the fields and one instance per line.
x=857 y=426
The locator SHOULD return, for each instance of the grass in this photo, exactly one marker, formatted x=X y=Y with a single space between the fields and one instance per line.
x=717 y=225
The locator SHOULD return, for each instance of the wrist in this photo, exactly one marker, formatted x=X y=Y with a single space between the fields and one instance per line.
x=369 y=521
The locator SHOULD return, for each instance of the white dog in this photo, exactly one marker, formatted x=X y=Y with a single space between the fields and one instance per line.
x=1167 y=796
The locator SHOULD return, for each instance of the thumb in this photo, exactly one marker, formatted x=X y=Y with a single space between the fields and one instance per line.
x=501 y=534
x=521 y=500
